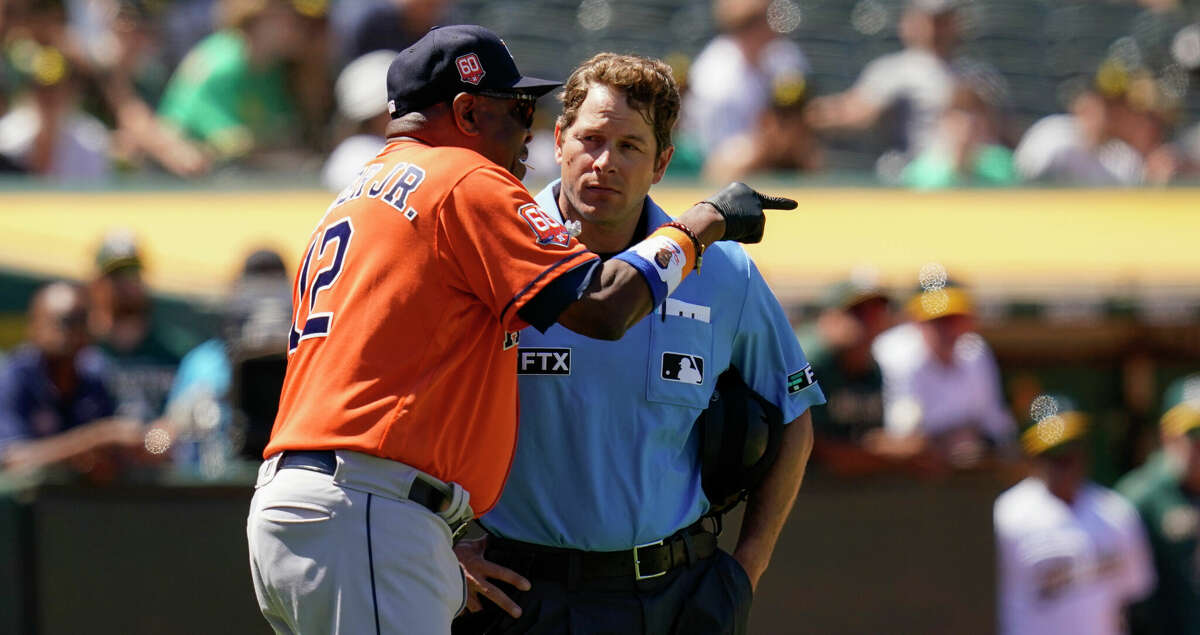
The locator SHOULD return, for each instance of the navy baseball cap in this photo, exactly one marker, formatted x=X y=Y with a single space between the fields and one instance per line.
x=462 y=58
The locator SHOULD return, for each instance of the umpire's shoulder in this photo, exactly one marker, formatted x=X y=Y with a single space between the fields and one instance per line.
x=726 y=260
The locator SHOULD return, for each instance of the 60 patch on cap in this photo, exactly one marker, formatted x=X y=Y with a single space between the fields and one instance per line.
x=452 y=59
x=800 y=380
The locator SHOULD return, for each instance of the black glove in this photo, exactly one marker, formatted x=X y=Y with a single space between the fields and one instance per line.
x=743 y=208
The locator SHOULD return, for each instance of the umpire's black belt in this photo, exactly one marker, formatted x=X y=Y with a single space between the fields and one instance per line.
x=325 y=462
x=612 y=569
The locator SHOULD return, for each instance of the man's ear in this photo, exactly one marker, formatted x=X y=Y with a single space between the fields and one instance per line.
x=463 y=110
x=558 y=132
x=661 y=162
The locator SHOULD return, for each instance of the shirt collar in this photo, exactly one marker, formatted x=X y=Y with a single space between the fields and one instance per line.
x=652 y=214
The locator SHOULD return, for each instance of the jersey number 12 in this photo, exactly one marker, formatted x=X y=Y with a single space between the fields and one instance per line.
x=318 y=324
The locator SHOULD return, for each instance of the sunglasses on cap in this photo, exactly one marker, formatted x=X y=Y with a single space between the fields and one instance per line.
x=523 y=105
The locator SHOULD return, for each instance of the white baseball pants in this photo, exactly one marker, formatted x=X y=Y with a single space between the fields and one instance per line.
x=347 y=554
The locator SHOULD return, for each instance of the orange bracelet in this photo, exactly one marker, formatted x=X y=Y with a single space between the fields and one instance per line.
x=699 y=246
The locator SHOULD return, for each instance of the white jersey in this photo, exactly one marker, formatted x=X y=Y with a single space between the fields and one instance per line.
x=918 y=79
x=921 y=394
x=727 y=92
x=1054 y=150
x=80 y=148
x=1068 y=568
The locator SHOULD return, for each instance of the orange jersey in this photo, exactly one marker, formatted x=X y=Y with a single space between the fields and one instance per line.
x=403 y=344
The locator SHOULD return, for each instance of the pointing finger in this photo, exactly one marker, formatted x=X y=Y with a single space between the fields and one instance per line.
x=777 y=202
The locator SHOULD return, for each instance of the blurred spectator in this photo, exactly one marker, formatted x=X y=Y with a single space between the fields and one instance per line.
x=362 y=102
x=121 y=43
x=856 y=312
x=1143 y=116
x=392 y=25
x=780 y=141
x=226 y=393
x=142 y=350
x=1115 y=135
x=942 y=394
x=1166 y=493
x=1189 y=152
x=185 y=24
x=55 y=406
x=917 y=80
x=231 y=92
x=1077 y=148
x=731 y=81
x=966 y=148
x=46 y=130
x=1071 y=554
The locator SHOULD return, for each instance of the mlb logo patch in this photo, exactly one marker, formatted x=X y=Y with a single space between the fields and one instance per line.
x=546 y=228
x=469 y=68
x=683 y=368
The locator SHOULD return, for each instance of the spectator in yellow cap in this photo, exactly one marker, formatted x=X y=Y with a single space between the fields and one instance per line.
x=1071 y=555
x=47 y=132
x=1166 y=493
x=941 y=385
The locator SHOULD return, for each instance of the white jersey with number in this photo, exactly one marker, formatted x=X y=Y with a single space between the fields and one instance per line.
x=1068 y=568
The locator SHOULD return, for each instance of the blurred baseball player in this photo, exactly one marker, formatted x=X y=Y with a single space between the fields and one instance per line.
x=601 y=510
x=1166 y=493
x=397 y=419
x=1071 y=555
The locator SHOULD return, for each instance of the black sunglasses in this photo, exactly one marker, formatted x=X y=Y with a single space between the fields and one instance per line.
x=523 y=105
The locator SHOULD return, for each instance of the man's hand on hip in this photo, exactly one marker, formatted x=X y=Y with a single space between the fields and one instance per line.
x=479 y=570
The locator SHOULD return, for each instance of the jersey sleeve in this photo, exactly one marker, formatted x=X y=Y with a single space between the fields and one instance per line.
x=1137 y=575
x=199 y=100
x=879 y=82
x=996 y=420
x=495 y=243
x=767 y=353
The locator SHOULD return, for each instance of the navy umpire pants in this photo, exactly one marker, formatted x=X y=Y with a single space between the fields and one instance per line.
x=710 y=596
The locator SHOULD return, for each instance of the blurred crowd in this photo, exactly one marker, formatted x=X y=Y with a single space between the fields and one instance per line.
x=916 y=390
x=104 y=388
x=94 y=89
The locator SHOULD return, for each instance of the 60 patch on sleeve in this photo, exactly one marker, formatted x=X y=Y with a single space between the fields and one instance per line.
x=800 y=380
x=546 y=228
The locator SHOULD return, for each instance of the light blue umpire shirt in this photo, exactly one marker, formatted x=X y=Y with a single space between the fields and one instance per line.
x=607 y=457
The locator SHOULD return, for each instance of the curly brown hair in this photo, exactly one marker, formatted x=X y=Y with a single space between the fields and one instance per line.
x=648 y=85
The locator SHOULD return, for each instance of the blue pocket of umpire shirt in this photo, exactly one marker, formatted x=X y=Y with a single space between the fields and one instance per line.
x=681 y=366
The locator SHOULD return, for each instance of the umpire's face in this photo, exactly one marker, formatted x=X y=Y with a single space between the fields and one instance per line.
x=609 y=160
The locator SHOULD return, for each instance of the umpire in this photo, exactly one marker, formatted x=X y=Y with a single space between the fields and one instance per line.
x=598 y=529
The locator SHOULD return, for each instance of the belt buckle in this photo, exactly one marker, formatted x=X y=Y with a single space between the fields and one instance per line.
x=637 y=563
x=457 y=532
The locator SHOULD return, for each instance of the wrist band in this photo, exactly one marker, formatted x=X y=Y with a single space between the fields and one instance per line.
x=663 y=259
x=699 y=246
